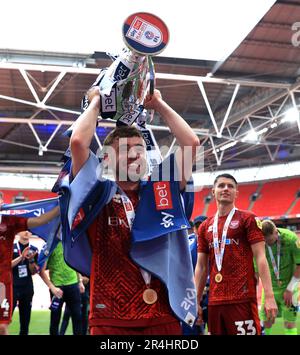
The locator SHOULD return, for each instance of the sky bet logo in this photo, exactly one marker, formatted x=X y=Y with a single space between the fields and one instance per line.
x=121 y=72
x=163 y=196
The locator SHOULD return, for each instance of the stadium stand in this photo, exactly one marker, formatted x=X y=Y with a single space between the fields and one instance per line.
x=274 y=199
x=29 y=195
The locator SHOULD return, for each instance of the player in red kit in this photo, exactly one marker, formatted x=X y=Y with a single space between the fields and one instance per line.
x=228 y=242
x=9 y=227
x=125 y=299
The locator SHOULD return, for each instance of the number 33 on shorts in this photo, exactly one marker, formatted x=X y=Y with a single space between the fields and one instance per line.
x=245 y=327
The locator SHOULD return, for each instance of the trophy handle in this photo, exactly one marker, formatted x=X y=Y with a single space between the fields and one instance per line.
x=152 y=76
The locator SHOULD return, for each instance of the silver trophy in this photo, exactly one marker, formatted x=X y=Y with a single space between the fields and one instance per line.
x=123 y=86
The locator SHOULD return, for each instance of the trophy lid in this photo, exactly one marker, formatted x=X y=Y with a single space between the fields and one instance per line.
x=145 y=33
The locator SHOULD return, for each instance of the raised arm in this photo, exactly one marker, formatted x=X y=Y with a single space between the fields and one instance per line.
x=33 y=222
x=83 y=132
x=185 y=136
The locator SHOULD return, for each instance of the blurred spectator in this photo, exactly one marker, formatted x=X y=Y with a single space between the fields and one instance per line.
x=64 y=287
x=85 y=297
x=23 y=268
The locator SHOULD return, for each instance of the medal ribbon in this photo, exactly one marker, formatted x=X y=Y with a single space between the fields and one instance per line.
x=130 y=214
x=275 y=267
x=219 y=252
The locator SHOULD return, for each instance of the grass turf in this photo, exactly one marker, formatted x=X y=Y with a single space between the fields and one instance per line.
x=39 y=323
x=40 y=320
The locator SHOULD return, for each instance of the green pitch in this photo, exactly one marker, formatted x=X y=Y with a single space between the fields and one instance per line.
x=40 y=321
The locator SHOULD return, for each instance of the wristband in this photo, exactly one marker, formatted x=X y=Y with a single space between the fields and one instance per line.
x=293 y=282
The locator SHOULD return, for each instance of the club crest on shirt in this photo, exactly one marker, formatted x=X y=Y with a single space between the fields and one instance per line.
x=234 y=224
x=258 y=222
x=210 y=228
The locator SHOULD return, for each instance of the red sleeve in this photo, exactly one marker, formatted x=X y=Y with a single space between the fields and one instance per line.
x=202 y=241
x=19 y=224
x=254 y=233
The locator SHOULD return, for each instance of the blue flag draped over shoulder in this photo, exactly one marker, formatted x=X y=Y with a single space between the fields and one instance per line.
x=160 y=241
x=48 y=232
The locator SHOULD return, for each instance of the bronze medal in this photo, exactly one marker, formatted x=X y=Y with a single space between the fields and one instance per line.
x=218 y=277
x=149 y=296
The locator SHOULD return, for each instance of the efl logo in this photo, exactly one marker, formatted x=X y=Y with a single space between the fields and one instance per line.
x=163 y=197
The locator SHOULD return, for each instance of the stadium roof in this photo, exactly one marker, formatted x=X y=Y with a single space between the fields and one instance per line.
x=248 y=91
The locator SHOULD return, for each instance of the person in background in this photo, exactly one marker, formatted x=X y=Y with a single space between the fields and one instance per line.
x=283 y=256
x=10 y=225
x=85 y=297
x=64 y=285
x=229 y=241
x=23 y=268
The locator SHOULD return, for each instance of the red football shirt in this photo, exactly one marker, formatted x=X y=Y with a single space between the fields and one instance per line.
x=9 y=227
x=238 y=283
x=117 y=285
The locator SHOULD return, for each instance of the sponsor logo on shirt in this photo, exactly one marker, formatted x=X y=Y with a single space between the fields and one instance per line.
x=116 y=222
x=163 y=196
x=228 y=241
x=167 y=220
x=189 y=300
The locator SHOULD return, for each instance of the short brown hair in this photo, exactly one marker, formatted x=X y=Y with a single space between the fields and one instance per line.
x=268 y=227
x=226 y=176
x=121 y=132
